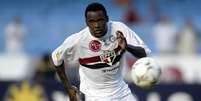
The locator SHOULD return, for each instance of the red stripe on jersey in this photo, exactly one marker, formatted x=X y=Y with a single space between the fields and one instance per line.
x=89 y=60
x=95 y=58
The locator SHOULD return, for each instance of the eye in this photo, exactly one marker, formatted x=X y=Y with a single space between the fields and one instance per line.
x=91 y=21
x=101 y=20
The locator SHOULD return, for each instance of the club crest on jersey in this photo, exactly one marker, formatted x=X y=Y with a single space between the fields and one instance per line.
x=95 y=46
x=108 y=57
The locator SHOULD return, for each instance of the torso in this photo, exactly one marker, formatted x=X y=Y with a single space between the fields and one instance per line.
x=104 y=51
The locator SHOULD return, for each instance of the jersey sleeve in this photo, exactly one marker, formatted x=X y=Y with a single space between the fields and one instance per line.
x=133 y=39
x=67 y=51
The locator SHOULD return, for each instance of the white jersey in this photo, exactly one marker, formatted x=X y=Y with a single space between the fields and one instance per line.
x=100 y=59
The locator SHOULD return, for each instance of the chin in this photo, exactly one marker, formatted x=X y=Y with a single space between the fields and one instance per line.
x=99 y=35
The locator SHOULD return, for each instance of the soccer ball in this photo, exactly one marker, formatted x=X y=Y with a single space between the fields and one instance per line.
x=145 y=72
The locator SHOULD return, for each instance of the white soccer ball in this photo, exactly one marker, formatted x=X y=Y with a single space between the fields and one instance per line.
x=145 y=72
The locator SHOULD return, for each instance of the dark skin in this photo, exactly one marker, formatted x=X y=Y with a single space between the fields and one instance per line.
x=97 y=23
x=71 y=90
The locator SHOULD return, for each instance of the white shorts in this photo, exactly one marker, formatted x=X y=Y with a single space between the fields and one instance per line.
x=128 y=97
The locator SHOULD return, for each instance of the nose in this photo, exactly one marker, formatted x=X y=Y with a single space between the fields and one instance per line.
x=96 y=25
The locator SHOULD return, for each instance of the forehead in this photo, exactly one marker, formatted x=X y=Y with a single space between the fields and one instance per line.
x=95 y=14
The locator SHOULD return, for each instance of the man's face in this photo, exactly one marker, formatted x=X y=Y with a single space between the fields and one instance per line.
x=97 y=23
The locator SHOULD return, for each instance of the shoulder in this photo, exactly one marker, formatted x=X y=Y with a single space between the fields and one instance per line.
x=78 y=35
x=74 y=38
x=117 y=23
x=119 y=26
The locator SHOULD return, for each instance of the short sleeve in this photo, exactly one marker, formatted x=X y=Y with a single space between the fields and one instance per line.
x=67 y=51
x=133 y=39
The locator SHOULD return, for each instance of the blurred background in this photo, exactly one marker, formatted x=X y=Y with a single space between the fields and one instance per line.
x=32 y=29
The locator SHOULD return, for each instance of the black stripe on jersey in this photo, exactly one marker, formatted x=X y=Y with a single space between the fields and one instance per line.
x=103 y=65
x=96 y=66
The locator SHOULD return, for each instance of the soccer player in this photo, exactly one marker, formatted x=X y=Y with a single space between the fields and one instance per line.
x=99 y=49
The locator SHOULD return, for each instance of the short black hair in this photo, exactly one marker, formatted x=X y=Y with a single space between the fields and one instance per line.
x=96 y=7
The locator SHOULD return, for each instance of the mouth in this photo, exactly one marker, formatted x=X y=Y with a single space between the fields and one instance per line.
x=98 y=31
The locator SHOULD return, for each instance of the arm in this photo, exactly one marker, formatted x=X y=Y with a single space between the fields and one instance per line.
x=60 y=70
x=66 y=52
x=137 y=51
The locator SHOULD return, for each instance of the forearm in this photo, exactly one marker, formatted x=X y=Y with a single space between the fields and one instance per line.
x=63 y=77
x=138 y=52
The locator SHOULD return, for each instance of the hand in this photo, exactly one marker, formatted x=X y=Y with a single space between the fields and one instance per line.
x=121 y=40
x=73 y=94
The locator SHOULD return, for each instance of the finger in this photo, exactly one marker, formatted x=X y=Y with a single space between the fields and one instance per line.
x=119 y=34
x=75 y=89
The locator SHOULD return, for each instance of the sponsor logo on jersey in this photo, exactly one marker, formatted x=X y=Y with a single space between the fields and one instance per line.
x=110 y=70
x=108 y=57
x=95 y=46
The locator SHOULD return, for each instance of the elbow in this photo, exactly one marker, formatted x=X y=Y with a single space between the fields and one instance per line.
x=141 y=54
